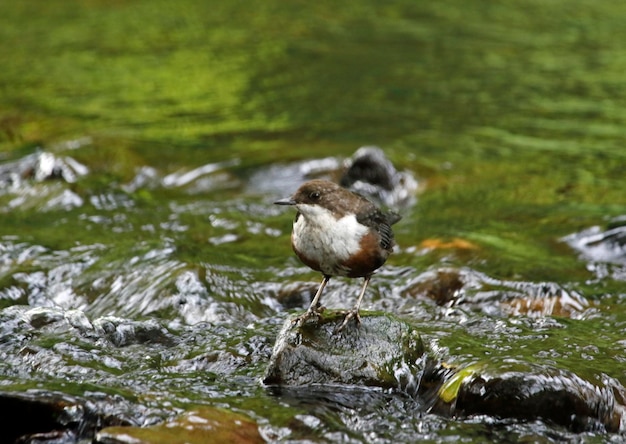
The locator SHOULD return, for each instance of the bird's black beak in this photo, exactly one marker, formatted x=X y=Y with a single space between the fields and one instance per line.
x=285 y=201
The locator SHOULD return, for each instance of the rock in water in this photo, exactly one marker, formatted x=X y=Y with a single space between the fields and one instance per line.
x=380 y=352
x=388 y=353
x=370 y=173
x=528 y=392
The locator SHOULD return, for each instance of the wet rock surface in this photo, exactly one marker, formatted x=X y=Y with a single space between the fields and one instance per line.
x=450 y=287
x=554 y=396
x=603 y=248
x=530 y=392
x=39 y=416
x=374 y=353
x=369 y=172
x=387 y=353
x=49 y=343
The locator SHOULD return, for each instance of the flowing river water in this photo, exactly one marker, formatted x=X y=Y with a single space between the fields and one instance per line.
x=145 y=273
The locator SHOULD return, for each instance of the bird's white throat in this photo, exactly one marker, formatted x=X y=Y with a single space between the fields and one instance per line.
x=323 y=237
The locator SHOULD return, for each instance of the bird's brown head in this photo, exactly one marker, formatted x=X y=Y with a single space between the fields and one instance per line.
x=322 y=193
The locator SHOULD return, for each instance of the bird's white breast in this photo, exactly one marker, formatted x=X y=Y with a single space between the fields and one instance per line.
x=325 y=239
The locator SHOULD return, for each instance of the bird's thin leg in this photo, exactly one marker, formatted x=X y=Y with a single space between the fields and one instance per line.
x=354 y=313
x=316 y=298
x=313 y=309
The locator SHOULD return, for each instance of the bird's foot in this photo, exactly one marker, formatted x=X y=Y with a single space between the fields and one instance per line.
x=352 y=314
x=312 y=312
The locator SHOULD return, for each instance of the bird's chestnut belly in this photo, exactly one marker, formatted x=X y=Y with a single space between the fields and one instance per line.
x=343 y=249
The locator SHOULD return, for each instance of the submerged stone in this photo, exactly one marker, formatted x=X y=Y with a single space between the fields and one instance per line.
x=464 y=286
x=123 y=332
x=202 y=425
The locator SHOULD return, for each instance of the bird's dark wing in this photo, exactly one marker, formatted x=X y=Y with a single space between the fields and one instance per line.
x=381 y=222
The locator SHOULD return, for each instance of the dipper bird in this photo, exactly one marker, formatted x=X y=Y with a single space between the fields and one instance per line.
x=339 y=233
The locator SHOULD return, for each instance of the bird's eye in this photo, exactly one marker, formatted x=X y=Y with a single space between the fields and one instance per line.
x=314 y=195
